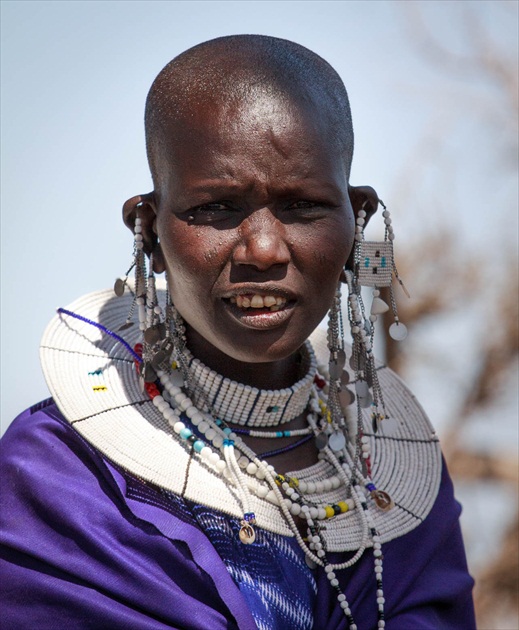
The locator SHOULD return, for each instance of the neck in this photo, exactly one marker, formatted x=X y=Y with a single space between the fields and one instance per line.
x=271 y=375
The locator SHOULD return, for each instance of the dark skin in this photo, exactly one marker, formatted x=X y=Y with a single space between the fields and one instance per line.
x=254 y=200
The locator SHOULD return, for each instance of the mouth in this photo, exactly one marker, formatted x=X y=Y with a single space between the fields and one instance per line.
x=257 y=302
x=260 y=310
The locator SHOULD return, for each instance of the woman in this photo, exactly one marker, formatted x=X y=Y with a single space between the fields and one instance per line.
x=198 y=466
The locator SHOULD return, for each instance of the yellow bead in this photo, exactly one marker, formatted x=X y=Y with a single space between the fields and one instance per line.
x=280 y=479
x=344 y=506
x=293 y=482
x=329 y=511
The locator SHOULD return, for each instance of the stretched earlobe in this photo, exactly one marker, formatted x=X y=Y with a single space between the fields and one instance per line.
x=143 y=206
x=361 y=198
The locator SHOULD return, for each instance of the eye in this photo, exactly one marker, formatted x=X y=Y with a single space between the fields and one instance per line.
x=210 y=213
x=308 y=209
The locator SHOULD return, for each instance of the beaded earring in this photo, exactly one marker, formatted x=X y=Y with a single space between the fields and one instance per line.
x=374 y=267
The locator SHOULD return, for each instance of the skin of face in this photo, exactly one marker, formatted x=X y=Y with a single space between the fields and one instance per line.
x=253 y=200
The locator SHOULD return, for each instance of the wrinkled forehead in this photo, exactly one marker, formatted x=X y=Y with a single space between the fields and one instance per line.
x=219 y=122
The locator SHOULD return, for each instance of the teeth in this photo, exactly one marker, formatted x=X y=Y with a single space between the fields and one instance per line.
x=259 y=301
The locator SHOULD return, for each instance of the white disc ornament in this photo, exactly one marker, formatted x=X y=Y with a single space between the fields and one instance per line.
x=398 y=331
x=337 y=441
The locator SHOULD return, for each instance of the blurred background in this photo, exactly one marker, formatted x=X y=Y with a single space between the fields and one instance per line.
x=434 y=92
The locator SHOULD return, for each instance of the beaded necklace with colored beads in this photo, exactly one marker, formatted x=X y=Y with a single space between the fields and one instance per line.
x=198 y=428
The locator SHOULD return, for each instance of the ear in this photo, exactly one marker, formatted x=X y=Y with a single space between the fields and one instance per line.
x=362 y=198
x=144 y=207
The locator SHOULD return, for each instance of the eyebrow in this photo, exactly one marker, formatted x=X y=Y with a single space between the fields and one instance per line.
x=218 y=186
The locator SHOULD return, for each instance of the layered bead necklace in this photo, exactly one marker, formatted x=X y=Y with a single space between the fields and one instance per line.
x=224 y=450
x=197 y=403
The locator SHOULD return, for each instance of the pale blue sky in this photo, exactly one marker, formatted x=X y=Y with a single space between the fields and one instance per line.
x=74 y=80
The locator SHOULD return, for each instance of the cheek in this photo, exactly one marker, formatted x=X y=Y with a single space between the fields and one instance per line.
x=330 y=246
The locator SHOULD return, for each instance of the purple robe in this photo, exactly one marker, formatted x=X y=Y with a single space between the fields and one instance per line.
x=86 y=545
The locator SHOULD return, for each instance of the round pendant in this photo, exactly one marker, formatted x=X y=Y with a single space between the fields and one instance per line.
x=310 y=563
x=346 y=397
x=337 y=441
x=362 y=388
x=151 y=335
x=365 y=401
x=321 y=441
x=335 y=370
x=382 y=499
x=398 y=331
x=158 y=358
x=247 y=534
x=345 y=378
x=119 y=287
x=341 y=359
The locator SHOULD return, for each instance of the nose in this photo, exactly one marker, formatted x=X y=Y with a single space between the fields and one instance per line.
x=262 y=243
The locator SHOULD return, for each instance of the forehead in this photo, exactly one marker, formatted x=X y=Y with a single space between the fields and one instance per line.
x=254 y=124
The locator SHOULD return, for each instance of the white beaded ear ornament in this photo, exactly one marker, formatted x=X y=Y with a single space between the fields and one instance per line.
x=374 y=266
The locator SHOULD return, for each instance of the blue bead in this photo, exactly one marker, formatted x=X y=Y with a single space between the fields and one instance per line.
x=287 y=433
x=279 y=433
x=185 y=433
x=198 y=445
x=227 y=430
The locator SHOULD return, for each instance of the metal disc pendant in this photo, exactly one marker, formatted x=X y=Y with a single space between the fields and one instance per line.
x=149 y=374
x=335 y=370
x=310 y=563
x=341 y=359
x=321 y=441
x=119 y=287
x=247 y=534
x=398 y=331
x=382 y=499
x=346 y=397
x=362 y=388
x=345 y=378
x=337 y=441
x=158 y=358
x=154 y=334
x=365 y=401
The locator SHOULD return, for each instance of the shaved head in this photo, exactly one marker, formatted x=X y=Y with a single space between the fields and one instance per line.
x=242 y=70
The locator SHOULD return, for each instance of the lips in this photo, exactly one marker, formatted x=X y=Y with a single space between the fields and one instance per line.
x=266 y=309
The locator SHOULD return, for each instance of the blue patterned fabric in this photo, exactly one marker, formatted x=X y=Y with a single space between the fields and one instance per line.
x=271 y=573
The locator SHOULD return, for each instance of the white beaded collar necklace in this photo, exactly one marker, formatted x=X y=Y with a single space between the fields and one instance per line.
x=246 y=405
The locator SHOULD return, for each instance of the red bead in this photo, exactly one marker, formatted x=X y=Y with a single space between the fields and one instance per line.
x=319 y=381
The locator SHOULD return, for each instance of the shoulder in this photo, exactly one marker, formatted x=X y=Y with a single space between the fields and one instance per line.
x=80 y=540
x=41 y=455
